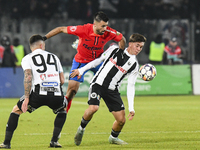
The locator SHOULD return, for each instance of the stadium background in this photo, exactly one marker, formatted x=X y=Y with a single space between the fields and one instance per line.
x=178 y=18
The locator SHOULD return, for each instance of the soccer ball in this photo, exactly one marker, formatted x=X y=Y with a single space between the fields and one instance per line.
x=147 y=72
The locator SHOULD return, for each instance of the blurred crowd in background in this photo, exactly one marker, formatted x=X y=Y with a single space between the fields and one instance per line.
x=166 y=18
x=84 y=9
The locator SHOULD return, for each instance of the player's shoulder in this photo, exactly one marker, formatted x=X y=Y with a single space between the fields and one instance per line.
x=112 y=31
x=51 y=53
x=87 y=26
x=111 y=48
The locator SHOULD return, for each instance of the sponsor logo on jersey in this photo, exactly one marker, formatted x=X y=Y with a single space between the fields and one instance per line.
x=91 y=48
x=115 y=63
x=52 y=75
x=43 y=76
x=73 y=28
x=49 y=84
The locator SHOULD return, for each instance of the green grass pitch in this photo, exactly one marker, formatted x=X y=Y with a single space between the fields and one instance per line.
x=161 y=122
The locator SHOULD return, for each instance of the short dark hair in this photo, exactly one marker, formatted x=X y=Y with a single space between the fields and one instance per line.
x=101 y=16
x=35 y=38
x=136 y=37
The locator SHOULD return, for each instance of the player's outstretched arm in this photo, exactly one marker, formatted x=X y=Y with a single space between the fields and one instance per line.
x=55 y=32
x=122 y=43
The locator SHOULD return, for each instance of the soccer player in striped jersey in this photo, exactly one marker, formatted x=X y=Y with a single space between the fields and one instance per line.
x=43 y=78
x=105 y=84
x=92 y=38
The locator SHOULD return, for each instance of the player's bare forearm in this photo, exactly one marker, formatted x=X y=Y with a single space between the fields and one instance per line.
x=56 y=31
x=122 y=43
x=27 y=82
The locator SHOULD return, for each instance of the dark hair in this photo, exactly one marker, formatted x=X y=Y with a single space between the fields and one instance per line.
x=101 y=16
x=16 y=41
x=136 y=37
x=35 y=38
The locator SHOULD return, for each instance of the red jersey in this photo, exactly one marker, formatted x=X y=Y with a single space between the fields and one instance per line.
x=173 y=51
x=90 y=45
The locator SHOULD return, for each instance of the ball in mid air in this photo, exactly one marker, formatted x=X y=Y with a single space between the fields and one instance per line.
x=147 y=72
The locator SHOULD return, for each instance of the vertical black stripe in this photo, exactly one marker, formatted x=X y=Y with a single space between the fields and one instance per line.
x=132 y=67
x=97 y=41
x=106 y=61
x=94 y=40
x=110 y=76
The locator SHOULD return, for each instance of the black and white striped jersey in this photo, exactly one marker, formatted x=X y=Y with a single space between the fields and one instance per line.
x=117 y=64
x=45 y=68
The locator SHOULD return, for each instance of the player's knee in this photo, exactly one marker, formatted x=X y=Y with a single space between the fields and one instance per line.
x=16 y=110
x=94 y=108
x=72 y=91
x=122 y=121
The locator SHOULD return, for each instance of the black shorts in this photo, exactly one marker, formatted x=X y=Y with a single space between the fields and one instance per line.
x=56 y=103
x=111 y=98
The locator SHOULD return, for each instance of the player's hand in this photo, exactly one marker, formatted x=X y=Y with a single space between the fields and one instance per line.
x=131 y=115
x=75 y=73
x=25 y=105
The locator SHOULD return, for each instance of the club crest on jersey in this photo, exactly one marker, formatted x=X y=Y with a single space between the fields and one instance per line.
x=93 y=95
x=43 y=76
x=129 y=63
x=73 y=28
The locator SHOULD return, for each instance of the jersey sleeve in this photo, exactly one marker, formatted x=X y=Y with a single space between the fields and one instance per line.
x=91 y=64
x=25 y=63
x=116 y=36
x=131 y=88
x=76 y=30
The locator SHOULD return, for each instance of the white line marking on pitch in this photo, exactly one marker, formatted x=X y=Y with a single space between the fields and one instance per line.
x=78 y=102
x=109 y=133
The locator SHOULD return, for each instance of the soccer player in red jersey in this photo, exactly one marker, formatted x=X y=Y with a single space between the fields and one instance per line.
x=92 y=38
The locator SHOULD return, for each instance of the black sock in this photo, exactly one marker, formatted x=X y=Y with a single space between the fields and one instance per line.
x=115 y=133
x=11 y=126
x=58 y=124
x=84 y=122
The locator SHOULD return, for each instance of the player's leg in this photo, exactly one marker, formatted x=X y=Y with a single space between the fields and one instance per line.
x=116 y=107
x=73 y=84
x=58 y=105
x=84 y=122
x=94 y=101
x=117 y=127
x=58 y=125
x=119 y=120
x=11 y=126
x=72 y=89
